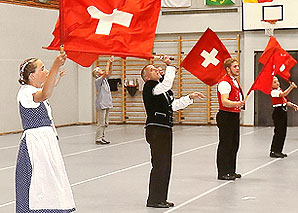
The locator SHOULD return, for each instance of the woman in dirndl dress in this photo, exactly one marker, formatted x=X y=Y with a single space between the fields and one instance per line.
x=42 y=184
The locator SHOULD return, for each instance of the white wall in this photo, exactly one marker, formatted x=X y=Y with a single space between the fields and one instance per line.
x=23 y=33
x=218 y=22
x=199 y=23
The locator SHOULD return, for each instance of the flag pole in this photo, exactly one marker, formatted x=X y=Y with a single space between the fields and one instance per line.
x=61 y=26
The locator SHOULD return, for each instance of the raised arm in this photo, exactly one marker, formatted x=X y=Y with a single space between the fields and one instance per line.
x=168 y=80
x=49 y=84
x=288 y=90
x=109 y=68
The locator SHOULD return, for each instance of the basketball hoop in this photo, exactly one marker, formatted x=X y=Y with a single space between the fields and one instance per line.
x=269 y=26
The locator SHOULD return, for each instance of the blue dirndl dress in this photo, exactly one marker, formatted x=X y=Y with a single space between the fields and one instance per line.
x=42 y=184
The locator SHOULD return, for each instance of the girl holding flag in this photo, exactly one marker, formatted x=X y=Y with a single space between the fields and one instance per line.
x=279 y=116
x=42 y=184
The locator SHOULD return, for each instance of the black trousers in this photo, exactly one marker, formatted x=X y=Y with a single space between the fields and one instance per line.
x=279 y=117
x=160 y=141
x=229 y=128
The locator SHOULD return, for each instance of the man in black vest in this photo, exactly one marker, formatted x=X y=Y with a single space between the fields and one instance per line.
x=160 y=104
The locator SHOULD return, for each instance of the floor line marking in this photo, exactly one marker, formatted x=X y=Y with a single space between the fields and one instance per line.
x=70 y=136
x=226 y=183
x=7 y=204
x=99 y=148
x=142 y=164
x=139 y=165
x=7 y=167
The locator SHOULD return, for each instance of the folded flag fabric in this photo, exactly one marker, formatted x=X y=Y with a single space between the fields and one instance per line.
x=107 y=27
x=206 y=59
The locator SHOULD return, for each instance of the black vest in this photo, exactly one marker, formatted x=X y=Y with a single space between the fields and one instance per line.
x=158 y=107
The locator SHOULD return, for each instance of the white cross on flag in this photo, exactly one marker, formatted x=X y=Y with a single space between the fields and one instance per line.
x=205 y=60
x=124 y=28
x=106 y=21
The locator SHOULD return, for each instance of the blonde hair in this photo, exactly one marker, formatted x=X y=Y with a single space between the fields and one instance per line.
x=229 y=61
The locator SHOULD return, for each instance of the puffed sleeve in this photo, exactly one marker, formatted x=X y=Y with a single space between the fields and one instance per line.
x=25 y=96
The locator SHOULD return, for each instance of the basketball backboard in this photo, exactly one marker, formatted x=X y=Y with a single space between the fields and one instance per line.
x=284 y=11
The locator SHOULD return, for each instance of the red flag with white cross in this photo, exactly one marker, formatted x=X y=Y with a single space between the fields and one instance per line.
x=107 y=27
x=206 y=59
x=276 y=61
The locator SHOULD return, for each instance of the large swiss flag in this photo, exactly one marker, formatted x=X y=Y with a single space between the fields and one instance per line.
x=206 y=59
x=107 y=27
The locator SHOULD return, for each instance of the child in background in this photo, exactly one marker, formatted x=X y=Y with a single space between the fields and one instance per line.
x=41 y=181
x=103 y=100
x=279 y=117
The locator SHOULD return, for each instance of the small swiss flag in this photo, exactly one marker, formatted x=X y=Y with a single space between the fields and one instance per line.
x=206 y=59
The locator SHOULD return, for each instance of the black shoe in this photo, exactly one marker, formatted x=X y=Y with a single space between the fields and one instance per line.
x=101 y=142
x=170 y=204
x=237 y=175
x=104 y=140
x=226 y=177
x=158 y=205
x=277 y=155
x=285 y=155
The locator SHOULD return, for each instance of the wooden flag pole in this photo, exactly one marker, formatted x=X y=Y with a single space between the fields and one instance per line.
x=245 y=98
x=61 y=26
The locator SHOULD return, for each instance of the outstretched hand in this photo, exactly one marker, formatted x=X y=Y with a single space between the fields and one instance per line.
x=294 y=106
x=62 y=73
x=197 y=95
x=293 y=85
x=111 y=59
x=166 y=59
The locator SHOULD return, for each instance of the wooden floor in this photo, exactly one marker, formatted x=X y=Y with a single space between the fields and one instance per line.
x=114 y=178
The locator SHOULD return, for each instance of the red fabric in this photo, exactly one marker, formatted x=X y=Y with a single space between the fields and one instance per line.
x=276 y=61
x=234 y=95
x=193 y=61
x=83 y=46
x=264 y=79
x=269 y=50
x=283 y=62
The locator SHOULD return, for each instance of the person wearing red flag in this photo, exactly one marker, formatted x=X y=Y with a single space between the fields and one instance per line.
x=231 y=101
x=206 y=59
x=279 y=116
x=124 y=28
